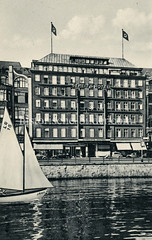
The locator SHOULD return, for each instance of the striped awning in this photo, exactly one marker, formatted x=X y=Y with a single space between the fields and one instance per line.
x=138 y=146
x=123 y=146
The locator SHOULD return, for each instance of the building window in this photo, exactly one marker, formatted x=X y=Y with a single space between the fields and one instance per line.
x=140 y=106
x=133 y=119
x=81 y=106
x=73 y=105
x=81 y=92
x=132 y=106
x=140 y=118
x=46 y=91
x=37 y=78
x=132 y=83
x=126 y=106
x=19 y=130
x=38 y=103
x=125 y=83
x=54 y=91
x=45 y=79
x=63 y=117
x=2 y=95
x=37 y=90
x=133 y=94
x=91 y=118
x=108 y=93
x=91 y=132
x=109 y=105
x=125 y=94
x=21 y=82
x=1 y=112
x=38 y=117
x=46 y=117
x=117 y=83
x=63 y=132
x=100 y=106
x=100 y=132
x=55 y=117
x=100 y=118
x=140 y=94
x=72 y=79
x=55 y=132
x=140 y=133
x=73 y=132
x=118 y=133
x=46 y=103
x=21 y=113
x=133 y=133
x=21 y=97
x=54 y=104
x=118 y=106
x=118 y=94
x=82 y=133
x=99 y=80
x=73 y=117
x=62 y=80
x=118 y=119
x=109 y=133
x=38 y=132
x=63 y=104
x=46 y=132
x=126 y=119
x=81 y=79
x=91 y=105
x=140 y=83
x=90 y=80
x=82 y=118
x=126 y=133
x=54 y=79
x=72 y=91
x=100 y=93
x=91 y=93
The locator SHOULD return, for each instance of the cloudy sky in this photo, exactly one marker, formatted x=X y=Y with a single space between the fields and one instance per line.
x=84 y=27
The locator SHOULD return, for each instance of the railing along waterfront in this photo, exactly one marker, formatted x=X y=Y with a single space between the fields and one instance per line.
x=94 y=160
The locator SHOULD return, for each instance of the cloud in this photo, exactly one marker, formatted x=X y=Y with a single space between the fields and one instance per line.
x=80 y=26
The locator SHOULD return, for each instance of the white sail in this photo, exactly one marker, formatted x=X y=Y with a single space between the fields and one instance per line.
x=34 y=177
x=11 y=158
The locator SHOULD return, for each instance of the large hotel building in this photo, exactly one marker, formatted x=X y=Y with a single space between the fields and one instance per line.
x=87 y=106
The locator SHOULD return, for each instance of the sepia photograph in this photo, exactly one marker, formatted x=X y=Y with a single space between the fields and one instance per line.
x=76 y=120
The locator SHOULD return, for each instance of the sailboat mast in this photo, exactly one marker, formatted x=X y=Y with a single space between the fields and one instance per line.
x=24 y=162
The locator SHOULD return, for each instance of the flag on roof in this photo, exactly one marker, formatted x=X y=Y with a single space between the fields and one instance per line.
x=125 y=35
x=53 y=29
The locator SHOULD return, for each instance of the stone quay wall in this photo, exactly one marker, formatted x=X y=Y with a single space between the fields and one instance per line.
x=97 y=171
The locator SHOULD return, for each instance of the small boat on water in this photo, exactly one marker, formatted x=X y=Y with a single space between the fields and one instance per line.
x=21 y=177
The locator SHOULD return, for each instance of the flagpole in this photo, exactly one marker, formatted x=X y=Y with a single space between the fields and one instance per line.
x=51 y=40
x=122 y=44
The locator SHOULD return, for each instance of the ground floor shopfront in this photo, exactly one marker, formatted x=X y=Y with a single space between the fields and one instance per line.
x=87 y=148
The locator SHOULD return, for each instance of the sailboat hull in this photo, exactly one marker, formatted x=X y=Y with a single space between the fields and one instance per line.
x=26 y=197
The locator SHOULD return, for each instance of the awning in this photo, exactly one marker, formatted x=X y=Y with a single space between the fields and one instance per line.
x=48 y=146
x=123 y=146
x=138 y=146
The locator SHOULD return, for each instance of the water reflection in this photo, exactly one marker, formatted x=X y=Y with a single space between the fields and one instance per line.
x=84 y=209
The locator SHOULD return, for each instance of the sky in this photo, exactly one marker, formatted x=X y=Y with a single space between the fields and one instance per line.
x=84 y=27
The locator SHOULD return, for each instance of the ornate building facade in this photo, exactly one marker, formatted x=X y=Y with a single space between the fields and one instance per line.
x=87 y=106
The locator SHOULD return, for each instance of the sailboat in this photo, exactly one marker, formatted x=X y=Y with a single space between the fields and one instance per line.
x=21 y=177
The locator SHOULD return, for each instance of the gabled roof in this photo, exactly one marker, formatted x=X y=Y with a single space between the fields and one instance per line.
x=65 y=59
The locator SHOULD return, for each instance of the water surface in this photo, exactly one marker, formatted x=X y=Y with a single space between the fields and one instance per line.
x=84 y=209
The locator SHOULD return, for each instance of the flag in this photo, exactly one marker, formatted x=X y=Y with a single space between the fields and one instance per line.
x=125 y=35
x=53 y=29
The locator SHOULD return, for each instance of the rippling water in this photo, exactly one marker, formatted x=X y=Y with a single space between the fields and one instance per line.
x=84 y=209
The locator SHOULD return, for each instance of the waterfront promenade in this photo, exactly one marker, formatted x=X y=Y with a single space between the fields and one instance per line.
x=97 y=168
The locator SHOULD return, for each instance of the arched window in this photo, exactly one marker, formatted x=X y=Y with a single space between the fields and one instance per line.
x=20 y=82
